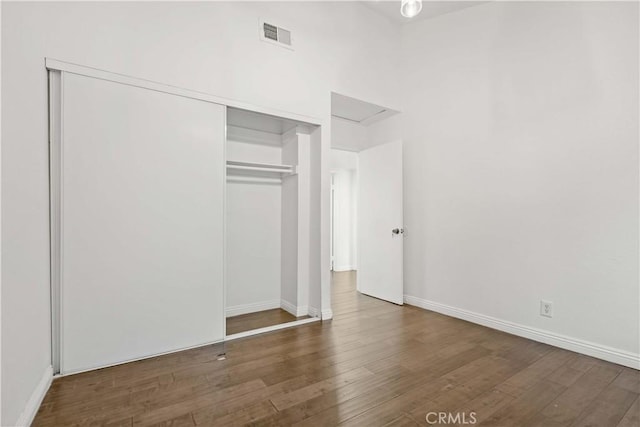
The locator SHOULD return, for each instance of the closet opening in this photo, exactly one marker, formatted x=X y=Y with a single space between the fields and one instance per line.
x=205 y=212
x=268 y=222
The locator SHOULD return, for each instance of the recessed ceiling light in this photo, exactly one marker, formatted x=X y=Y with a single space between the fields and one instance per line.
x=410 y=8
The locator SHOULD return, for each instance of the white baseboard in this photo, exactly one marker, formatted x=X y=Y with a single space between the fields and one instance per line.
x=33 y=404
x=297 y=311
x=326 y=314
x=609 y=354
x=344 y=268
x=322 y=314
x=237 y=310
x=287 y=306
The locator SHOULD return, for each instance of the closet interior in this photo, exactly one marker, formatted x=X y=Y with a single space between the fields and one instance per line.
x=268 y=186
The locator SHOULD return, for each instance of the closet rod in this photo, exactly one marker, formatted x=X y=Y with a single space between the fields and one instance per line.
x=262 y=167
x=253 y=180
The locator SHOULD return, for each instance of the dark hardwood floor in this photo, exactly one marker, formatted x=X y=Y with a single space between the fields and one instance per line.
x=374 y=364
x=260 y=319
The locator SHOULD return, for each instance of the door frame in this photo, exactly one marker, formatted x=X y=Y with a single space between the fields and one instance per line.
x=332 y=237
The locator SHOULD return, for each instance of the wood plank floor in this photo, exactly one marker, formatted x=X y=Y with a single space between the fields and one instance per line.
x=260 y=319
x=374 y=364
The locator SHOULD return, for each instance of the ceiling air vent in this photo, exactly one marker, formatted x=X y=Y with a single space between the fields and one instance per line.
x=277 y=35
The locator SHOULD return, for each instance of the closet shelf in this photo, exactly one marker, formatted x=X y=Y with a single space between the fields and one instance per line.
x=282 y=170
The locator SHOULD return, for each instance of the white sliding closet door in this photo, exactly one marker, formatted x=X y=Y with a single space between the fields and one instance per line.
x=142 y=181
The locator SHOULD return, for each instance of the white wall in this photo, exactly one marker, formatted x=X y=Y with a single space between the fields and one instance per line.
x=253 y=234
x=341 y=160
x=521 y=165
x=344 y=221
x=354 y=137
x=298 y=191
x=208 y=46
x=319 y=288
x=347 y=135
x=307 y=191
x=289 y=227
x=344 y=165
x=384 y=131
x=257 y=152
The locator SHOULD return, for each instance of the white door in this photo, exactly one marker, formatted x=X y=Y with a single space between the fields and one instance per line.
x=141 y=241
x=380 y=229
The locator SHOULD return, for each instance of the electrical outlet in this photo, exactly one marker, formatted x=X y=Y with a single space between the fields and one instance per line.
x=546 y=308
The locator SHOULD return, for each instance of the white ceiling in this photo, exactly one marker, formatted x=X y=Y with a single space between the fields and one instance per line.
x=430 y=9
x=356 y=111
x=352 y=109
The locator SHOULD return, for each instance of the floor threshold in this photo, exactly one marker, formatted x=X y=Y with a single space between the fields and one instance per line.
x=271 y=328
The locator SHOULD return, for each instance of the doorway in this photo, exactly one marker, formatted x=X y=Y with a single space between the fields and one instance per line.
x=367 y=230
